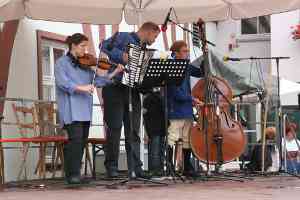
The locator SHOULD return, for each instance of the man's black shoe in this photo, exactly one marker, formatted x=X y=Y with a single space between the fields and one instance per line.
x=190 y=173
x=142 y=174
x=156 y=173
x=112 y=174
x=85 y=181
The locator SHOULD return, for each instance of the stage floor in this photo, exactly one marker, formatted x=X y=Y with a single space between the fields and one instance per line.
x=266 y=187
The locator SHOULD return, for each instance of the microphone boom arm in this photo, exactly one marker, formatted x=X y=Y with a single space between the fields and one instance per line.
x=189 y=31
x=254 y=58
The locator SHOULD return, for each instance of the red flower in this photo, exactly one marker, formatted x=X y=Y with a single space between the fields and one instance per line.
x=296 y=32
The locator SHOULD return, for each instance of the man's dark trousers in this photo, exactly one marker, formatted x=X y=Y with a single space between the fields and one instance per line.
x=116 y=114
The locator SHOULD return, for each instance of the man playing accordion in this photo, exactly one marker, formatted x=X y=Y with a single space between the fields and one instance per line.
x=116 y=105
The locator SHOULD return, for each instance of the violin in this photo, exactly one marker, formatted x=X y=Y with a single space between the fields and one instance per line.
x=88 y=60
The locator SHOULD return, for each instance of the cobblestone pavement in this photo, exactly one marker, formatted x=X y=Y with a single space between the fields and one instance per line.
x=274 y=187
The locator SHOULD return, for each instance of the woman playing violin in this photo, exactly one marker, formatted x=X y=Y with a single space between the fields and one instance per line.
x=74 y=88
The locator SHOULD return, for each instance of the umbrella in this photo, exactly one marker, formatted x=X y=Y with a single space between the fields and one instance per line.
x=136 y=11
x=76 y=11
x=208 y=10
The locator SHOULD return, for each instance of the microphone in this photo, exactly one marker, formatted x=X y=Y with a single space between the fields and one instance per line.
x=164 y=27
x=226 y=58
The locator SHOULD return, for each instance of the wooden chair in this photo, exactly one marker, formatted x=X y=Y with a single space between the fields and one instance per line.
x=97 y=146
x=27 y=129
x=27 y=122
x=97 y=143
x=1 y=165
x=1 y=155
x=50 y=133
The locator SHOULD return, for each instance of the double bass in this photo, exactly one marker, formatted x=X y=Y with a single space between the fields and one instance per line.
x=216 y=138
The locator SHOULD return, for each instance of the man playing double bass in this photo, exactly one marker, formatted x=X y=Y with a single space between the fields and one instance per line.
x=180 y=112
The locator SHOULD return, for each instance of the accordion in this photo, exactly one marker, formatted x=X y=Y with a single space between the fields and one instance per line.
x=138 y=59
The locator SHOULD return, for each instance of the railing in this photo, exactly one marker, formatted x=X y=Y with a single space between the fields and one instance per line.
x=100 y=124
x=9 y=124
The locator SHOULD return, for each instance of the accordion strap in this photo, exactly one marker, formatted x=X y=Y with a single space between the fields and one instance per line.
x=112 y=42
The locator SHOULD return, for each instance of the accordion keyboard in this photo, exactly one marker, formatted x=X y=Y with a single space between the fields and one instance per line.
x=135 y=63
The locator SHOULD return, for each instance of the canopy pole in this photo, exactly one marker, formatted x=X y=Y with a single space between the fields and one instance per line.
x=142 y=130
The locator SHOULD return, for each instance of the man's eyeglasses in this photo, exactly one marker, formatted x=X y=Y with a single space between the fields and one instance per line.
x=185 y=51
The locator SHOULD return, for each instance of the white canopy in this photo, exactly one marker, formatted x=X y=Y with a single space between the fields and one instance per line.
x=289 y=92
x=287 y=87
x=110 y=11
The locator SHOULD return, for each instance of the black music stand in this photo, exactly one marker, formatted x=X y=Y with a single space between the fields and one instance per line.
x=162 y=73
x=158 y=73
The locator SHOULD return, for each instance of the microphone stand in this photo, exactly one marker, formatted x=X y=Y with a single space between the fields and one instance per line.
x=278 y=105
x=263 y=58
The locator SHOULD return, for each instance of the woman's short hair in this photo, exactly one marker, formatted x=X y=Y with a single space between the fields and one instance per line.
x=290 y=127
x=270 y=133
x=177 y=45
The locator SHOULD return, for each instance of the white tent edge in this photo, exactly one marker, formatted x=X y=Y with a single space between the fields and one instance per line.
x=111 y=12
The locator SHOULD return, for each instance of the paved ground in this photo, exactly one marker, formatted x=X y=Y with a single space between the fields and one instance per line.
x=265 y=188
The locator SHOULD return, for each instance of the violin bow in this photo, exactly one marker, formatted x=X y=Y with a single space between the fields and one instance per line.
x=95 y=71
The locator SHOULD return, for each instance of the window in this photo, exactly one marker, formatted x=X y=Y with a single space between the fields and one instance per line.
x=51 y=51
x=50 y=47
x=256 y=25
